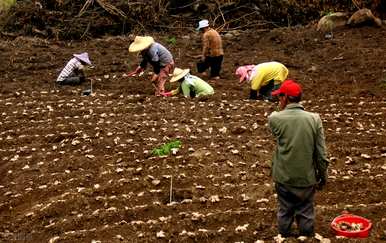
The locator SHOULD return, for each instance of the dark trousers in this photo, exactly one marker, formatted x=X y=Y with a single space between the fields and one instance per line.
x=295 y=203
x=266 y=90
x=214 y=63
x=73 y=80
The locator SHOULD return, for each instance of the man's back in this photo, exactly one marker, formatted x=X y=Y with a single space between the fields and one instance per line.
x=297 y=133
x=158 y=52
x=299 y=164
x=212 y=40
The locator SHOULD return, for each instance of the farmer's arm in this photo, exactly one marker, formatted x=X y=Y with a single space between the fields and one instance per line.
x=143 y=63
x=175 y=91
x=79 y=69
x=155 y=60
x=185 y=89
x=320 y=147
x=205 y=45
x=272 y=123
x=156 y=67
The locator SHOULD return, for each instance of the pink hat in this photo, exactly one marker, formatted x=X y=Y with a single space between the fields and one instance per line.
x=243 y=72
x=83 y=57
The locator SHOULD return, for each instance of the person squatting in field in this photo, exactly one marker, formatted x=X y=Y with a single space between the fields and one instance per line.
x=189 y=85
x=299 y=163
x=72 y=73
x=212 y=50
x=158 y=56
x=264 y=78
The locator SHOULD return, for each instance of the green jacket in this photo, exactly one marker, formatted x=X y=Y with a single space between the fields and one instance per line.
x=300 y=156
x=194 y=84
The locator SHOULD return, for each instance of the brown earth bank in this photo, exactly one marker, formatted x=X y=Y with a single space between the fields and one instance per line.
x=78 y=168
x=79 y=19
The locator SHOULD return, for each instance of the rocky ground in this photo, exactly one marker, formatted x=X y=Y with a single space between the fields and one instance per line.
x=79 y=168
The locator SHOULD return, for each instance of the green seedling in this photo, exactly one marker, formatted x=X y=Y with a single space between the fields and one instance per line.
x=171 y=40
x=167 y=148
x=327 y=13
x=382 y=83
x=6 y=4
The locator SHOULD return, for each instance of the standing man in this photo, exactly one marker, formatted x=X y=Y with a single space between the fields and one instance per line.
x=264 y=78
x=299 y=164
x=158 y=56
x=212 y=51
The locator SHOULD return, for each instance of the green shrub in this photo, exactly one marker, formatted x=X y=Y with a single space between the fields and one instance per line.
x=382 y=83
x=171 y=40
x=327 y=12
x=6 y=4
x=166 y=149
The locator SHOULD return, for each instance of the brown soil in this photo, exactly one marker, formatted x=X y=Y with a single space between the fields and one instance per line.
x=83 y=20
x=77 y=169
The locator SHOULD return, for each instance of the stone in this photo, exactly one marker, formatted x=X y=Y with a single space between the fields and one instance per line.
x=364 y=17
x=331 y=21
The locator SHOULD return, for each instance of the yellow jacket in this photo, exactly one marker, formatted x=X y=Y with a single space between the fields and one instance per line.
x=265 y=72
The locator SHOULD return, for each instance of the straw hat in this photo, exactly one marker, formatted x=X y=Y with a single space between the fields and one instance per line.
x=83 y=57
x=141 y=43
x=178 y=74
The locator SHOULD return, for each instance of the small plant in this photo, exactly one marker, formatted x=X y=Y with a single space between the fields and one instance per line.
x=382 y=83
x=327 y=13
x=6 y=4
x=166 y=148
x=171 y=40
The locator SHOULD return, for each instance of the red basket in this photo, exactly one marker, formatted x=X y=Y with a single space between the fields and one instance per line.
x=349 y=218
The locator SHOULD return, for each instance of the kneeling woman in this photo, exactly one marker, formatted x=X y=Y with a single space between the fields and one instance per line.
x=72 y=73
x=190 y=85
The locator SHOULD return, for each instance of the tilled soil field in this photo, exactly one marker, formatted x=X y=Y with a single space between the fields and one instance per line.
x=79 y=168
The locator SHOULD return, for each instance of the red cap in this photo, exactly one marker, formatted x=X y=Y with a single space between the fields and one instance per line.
x=289 y=88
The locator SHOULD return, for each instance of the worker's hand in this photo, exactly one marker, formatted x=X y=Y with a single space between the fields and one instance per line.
x=154 y=78
x=196 y=56
x=322 y=182
x=202 y=58
x=166 y=94
x=241 y=82
x=134 y=73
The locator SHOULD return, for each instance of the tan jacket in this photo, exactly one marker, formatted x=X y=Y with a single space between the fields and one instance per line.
x=212 y=44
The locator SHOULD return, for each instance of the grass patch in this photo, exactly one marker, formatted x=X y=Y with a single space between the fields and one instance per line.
x=166 y=148
x=382 y=83
x=6 y=4
x=171 y=40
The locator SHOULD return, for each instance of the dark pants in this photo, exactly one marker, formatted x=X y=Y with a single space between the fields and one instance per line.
x=214 y=63
x=266 y=90
x=295 y=203
x=74 y=80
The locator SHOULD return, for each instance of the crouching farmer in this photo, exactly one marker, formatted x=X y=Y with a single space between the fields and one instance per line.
x=72 y=73
x=299 y=164
x=158 y=56
x=264 y=78
x=189 y=85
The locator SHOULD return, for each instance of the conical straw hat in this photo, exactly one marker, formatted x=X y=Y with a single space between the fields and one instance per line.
x=83 y=57
x=178 y=74
x=141 y=43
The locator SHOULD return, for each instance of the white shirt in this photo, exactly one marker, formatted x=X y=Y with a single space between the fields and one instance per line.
x=73 y=64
